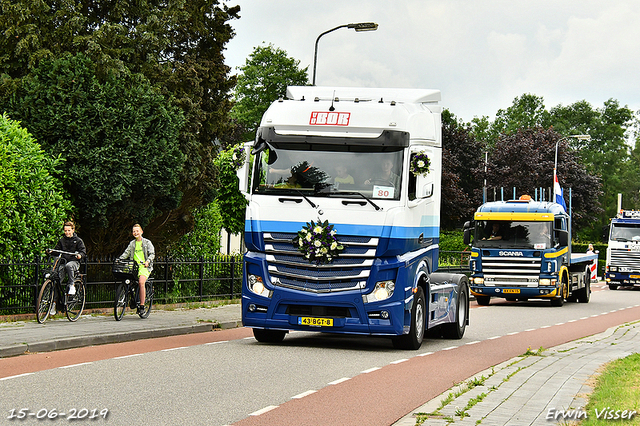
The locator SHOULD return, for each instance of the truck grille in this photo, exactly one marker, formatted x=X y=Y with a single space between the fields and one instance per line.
x=625 y=258
x=511 y=271
x=349 y=271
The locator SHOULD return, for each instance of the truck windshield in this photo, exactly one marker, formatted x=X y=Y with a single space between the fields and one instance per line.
x=506 y=234
x=374 y=174
x=625 y=232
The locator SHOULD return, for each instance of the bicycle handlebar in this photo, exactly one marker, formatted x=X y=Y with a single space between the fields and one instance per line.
x=61 y=252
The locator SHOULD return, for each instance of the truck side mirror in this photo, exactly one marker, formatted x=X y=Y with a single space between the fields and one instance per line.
x=563 y=236
x=467 y=232
x=243 y=171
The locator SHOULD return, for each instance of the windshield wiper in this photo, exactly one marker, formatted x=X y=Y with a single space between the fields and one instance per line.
x=361 y=195
x=305 y=197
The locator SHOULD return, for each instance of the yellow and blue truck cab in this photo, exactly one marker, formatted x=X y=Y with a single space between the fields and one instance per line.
x=521 y=250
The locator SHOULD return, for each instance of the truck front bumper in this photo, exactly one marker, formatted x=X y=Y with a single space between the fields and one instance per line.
x=341 y=313
x=515 y=292
x=623 y=279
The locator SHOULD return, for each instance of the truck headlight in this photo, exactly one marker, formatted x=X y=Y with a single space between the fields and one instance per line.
x=382 y=291
x=545 y=282
x=613 y=268
x=255 y=284
x=478 y=280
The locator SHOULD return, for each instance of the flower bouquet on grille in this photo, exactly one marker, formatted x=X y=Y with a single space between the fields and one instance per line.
x=317 y=242
x=420 y=164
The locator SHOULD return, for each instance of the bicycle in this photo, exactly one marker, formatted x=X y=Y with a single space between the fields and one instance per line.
x=72 y=305
x=128 y=289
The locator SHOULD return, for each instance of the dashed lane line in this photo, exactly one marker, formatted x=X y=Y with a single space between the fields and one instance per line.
x=303 y=394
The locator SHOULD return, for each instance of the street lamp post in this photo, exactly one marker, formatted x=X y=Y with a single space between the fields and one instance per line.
x=361 y=26
x=555 y=164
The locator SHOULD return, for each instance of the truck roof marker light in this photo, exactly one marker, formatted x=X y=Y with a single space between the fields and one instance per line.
x=381 y=101
x=393 y=103
x=356 y=100
x=316 y=99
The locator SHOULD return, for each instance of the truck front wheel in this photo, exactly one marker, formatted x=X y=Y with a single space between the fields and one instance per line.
x=413 y=340
x=483 y=300
x=564 y=292
x=268 y=336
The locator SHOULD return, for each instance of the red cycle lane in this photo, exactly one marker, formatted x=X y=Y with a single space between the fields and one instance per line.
x=383 y=396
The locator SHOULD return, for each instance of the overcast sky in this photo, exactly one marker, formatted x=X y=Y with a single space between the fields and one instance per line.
x=480 y=54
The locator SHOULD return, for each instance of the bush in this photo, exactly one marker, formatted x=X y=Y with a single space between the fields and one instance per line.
x=33 y=205
x=452 y=241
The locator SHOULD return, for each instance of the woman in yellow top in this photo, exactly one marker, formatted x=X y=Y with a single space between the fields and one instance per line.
x=142 y=252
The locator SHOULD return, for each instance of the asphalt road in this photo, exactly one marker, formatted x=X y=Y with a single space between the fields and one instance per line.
x=223 y=377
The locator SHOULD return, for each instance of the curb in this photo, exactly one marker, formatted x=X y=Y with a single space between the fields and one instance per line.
x=83 y=341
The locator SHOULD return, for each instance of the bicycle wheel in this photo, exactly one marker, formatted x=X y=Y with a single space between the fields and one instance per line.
x=75 y=303
x=45 y=299
x=121 y=302
x=148 y=299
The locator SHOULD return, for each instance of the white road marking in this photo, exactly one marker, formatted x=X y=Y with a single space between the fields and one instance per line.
x=16 y=376
x=127 y=356
x=76 y=365
x=174 y=349
x=303 y=394
x=264 y=410
x=335 y=382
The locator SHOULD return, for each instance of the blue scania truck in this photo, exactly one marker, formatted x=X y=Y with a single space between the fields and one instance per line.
x=522 y=250
x=342 y=223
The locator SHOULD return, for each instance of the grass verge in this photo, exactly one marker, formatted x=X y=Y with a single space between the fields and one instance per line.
x=617 y=389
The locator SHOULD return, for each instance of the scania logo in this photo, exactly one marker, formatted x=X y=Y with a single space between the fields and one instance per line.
x=511 y=253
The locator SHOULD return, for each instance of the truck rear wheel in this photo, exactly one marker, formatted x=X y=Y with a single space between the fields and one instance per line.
x=455 y=330
x=584 y=294
x=413 y=340
x=268 y=336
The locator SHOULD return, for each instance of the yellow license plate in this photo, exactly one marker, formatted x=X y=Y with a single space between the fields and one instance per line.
x=511 y=290
x=315 y=322
x=634 y=276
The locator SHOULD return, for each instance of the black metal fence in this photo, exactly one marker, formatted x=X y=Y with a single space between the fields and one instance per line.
x=175 y=280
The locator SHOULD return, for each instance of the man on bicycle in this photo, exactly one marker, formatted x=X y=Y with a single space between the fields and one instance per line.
x=142 y=252
x=72 y=243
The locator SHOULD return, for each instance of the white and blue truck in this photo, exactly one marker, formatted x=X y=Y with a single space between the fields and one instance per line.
x=521 y=250
x=623 y=252
x=343 y=218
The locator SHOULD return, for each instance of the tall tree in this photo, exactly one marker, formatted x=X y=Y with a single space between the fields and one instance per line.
x=525 y=161
x=526 y=111
x=462 y=169
x=119 y=139
x=264 y=78
x=607 y=153
x=178 y=46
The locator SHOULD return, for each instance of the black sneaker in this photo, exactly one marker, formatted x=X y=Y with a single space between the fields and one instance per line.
x=141 y=310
